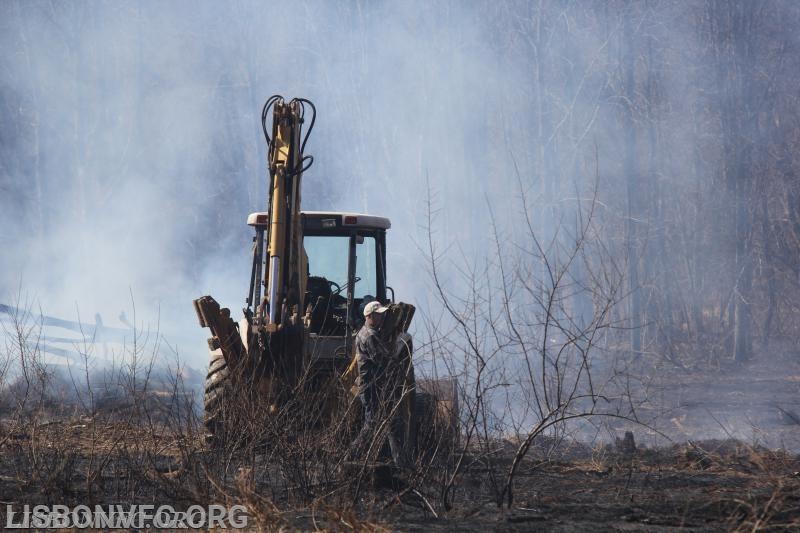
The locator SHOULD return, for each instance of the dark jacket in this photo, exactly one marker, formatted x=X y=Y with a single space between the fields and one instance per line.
x=373 y=358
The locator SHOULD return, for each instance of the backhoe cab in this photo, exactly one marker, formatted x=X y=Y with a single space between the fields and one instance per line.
x=345 y=258
x=346 y=267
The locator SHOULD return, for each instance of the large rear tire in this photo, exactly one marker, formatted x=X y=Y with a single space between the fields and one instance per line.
x=216 y=397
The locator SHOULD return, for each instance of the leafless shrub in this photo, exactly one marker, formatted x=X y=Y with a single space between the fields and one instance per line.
x=84 y=431
x=523 y=332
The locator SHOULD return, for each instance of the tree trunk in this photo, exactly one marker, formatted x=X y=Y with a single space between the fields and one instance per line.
x=631 y=175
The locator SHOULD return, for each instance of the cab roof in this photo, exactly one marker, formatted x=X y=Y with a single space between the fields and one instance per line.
x=332 y=218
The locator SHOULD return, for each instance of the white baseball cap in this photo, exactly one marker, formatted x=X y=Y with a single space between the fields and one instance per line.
x=374 y=307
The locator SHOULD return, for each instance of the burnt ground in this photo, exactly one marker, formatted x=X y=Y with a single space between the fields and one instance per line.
x=732 y=464
x=713 y=485
x=704 y=486
x=717 y=451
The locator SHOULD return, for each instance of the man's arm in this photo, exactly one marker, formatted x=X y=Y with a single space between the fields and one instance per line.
x=374 y=349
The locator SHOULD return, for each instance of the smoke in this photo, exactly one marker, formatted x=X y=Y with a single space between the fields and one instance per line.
x=132 y=152
x=132 y=141
x=135 y=153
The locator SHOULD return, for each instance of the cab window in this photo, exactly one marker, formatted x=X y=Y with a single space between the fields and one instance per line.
x=328 y=258
x=365 y=268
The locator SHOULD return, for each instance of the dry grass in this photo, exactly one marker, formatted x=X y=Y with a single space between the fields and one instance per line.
x=709 y=485
x=139 y=439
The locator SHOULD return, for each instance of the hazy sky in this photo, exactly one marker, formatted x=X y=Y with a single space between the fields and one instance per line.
x=134 y=150
x=133 y=153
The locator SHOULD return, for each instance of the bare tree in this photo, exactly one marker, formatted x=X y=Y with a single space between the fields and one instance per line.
x=527 y=366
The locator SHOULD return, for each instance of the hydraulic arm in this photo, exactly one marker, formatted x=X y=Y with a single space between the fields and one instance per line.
x=285 y=275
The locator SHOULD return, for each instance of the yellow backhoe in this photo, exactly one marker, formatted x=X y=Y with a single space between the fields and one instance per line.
x=312 y=273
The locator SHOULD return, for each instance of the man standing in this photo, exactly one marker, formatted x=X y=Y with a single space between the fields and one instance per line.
x=376 y=382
